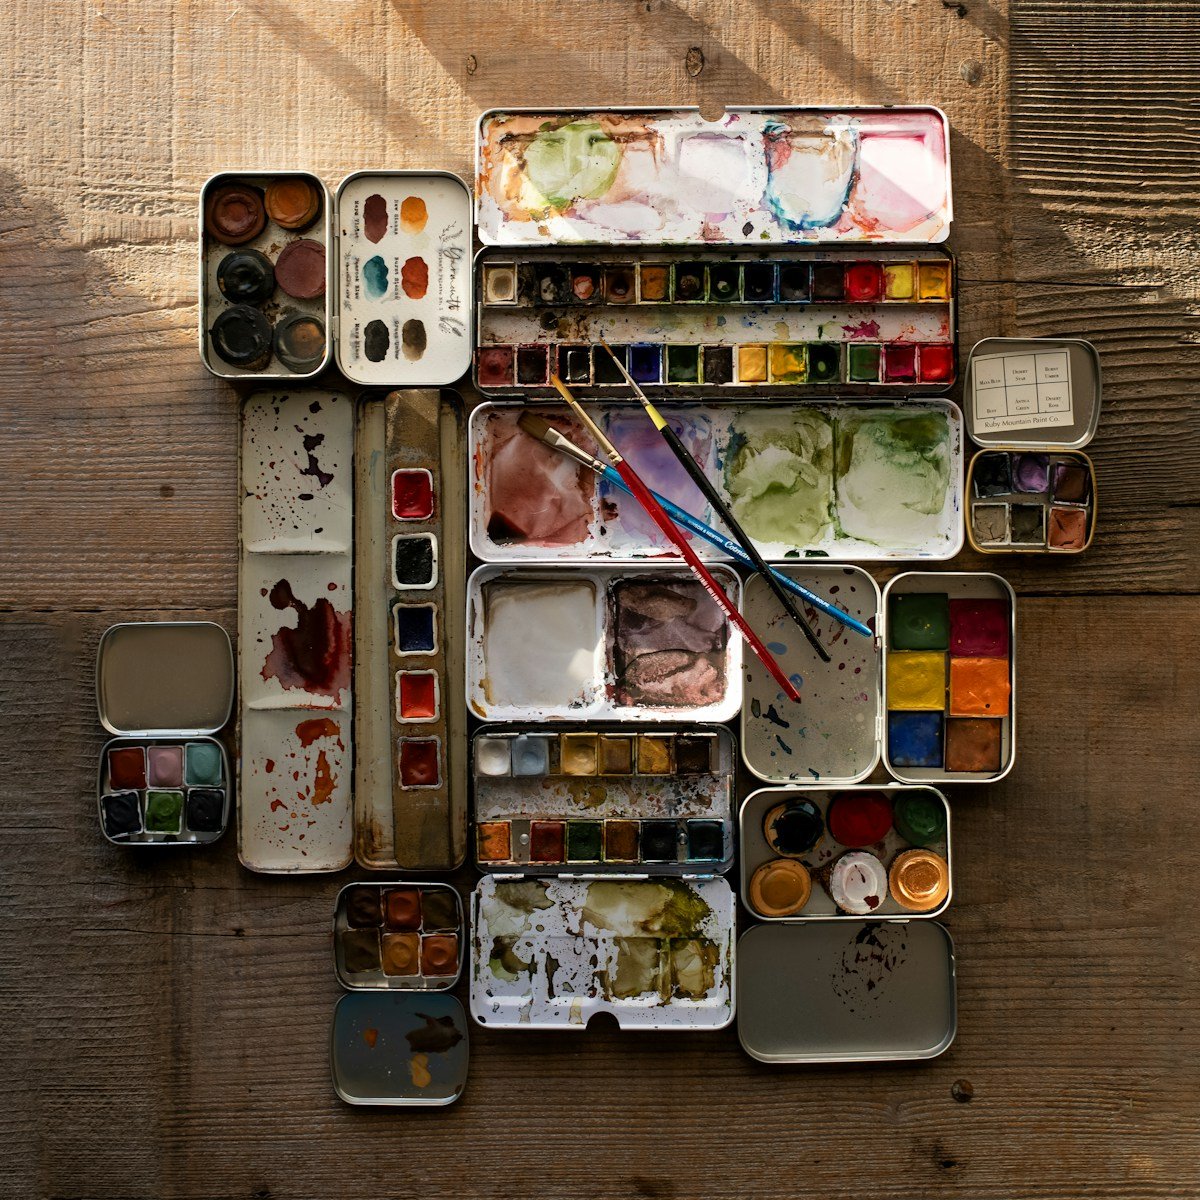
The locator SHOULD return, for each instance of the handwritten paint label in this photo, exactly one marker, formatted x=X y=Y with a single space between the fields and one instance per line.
x=1021 y=391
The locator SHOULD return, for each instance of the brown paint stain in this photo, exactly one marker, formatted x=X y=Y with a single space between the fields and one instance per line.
x=323 y=781
x=315 y=656
x=318 y=727
x=413 y=338
x=371 y=1036
x=375 y=217
x=413 y=214
x=414 y=278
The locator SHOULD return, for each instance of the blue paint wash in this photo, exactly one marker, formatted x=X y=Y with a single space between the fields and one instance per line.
x=915 y=739
x=375 y=277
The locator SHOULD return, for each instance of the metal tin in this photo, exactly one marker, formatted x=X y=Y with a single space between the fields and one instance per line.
x=832 y=738
x=820 y=906
x=728 y=168
x=957 y=585
x=798 y=333
x=714 y=432
x=582 y=800
x=552 y=953
x=269 y=242
x=433 y=295
x=397 y=1049
x=593 y=693
x=426 y=924
x=858 y=991
x=421 y=434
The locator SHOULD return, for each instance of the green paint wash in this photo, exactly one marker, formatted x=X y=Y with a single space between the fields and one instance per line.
x=504 y=961
x=573 y=162
x=892 y=475
x=919 y=621
x=683 y=364
x=863 y=364
x=669 y=908
x=583 y=841
x=779 y=475
x=164 y=812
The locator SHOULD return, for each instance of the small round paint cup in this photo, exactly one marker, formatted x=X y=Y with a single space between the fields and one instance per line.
x=858 y=819
x=292 y=202
x=234 y=214
x=919 y=880
x=780 y=888
x=792 y=829
x=300 y=269
x=246 y=277
x=300 y=342
x=858 y=883
x=242 y=337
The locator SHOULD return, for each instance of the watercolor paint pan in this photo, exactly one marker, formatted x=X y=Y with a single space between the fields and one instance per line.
x=1032 y=405
x=787 y=174
x=860 y=481
x=871 y=830
x=165 y=690
x=949 y=677
x=638 y=644
x=410 y=570
x=378 y=276
x=717 y=322
x=295 y=632
x=552 y=953
x=598 y=801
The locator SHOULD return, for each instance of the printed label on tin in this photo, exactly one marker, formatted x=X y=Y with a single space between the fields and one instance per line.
x=1022 y=391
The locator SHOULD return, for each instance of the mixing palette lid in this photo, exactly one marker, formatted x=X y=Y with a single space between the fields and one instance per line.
x=402 y=294
x=1039 y=392
x=399 y=1049
x=856 y=991
x=164 y=678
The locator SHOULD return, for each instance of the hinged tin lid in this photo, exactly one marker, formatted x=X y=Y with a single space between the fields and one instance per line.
x=402 y=294
x=862 y=991
x=1040 y=392
x=754 y=175
x=399 y=1049
x=164 y=678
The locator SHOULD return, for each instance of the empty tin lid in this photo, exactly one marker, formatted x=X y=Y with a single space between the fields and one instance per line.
x=1041 y=392
x=399 y=1048
x=860 y=991
x=164 y=678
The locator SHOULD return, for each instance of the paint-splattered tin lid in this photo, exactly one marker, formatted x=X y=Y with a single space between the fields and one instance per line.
x=399 y=1049
x=164 y=678
x=402 y=300
x=863 y=991
x=1037 y=392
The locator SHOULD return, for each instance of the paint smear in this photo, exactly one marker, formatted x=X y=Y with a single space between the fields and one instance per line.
x=575 y=161
x=901 y=180
x=418 y=1071
x=414 y=278
x=413 y=339
x=375 y=277
x=809 y=172
x=376 y=340
x=318 y=727
x=375 y=217
x=436 y=1036
x=315 y=655
x=413 y=214
x=323 y=780
x=371 y=1036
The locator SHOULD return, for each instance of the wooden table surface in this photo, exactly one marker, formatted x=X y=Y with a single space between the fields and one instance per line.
x=165 y=1018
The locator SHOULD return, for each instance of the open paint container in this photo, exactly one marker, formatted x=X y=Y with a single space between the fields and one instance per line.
x=1032 y=404
x=164 y=688
x=633 y=643
x=551 y=953
x=378 y=276
x=600 y=800
x=398 y=1038
x=862 y=481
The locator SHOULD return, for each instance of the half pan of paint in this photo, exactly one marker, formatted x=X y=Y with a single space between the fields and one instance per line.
x=551 y=953
x=859 y=481
x=950 y=682
x=879 y=851
x=164 y=687
x=605 y=643
x=586 y=800
x=1032 y=404
x=756 y=175
x=852 y=991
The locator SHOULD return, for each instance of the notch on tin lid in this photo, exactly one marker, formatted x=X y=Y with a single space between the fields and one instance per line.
x=1038 y=392
x=399 y=1049
x=859 y=991
x=164 y=678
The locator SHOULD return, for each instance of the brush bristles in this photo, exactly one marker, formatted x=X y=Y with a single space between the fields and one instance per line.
x=534 y=426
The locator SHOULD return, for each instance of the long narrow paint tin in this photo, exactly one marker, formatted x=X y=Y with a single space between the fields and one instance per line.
x=165 y=690
x=582 y=800
x=411 y=753
x=755 y=175
x=552 y=953
x=862 y=481
x=638 y=644
x=1032 y=404
x=295 y=631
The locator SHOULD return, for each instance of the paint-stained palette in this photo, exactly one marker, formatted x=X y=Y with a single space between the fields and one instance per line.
x=551 y=953
x=295 y=631
x=612 y=800
x=851 y=481
x=601 y=643
x=794 y=322
x=752 y=175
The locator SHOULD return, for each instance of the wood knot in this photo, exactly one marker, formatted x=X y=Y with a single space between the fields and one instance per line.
x=693 y=61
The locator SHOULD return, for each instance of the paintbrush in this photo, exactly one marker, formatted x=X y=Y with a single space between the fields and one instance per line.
x=545 y=433
x=655 y=512
x=715 y=499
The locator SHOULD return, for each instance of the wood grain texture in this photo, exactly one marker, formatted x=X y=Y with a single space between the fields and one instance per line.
x=166 y=1015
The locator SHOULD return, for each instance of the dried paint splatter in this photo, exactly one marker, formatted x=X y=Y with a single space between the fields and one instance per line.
x=315 y=655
